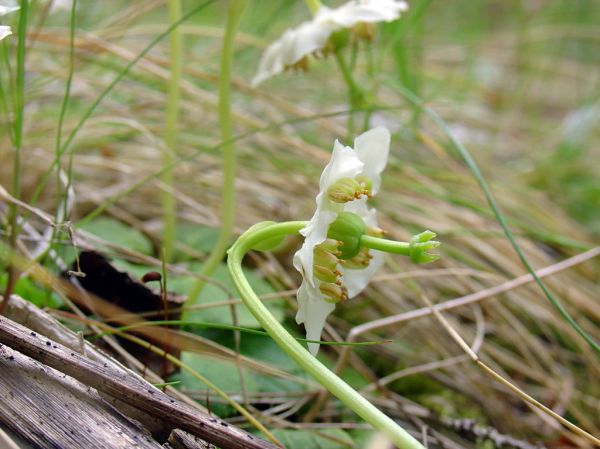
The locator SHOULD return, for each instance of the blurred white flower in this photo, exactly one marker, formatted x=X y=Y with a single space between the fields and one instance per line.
x=350 y=177
x=61 y=5
x=311 y=37
x=6 y=7
x=4 y=31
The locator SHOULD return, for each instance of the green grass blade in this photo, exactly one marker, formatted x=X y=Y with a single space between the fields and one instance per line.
x=474 y=169
x=87 y=114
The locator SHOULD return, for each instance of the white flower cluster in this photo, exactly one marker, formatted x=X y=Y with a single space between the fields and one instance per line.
x=311 y=37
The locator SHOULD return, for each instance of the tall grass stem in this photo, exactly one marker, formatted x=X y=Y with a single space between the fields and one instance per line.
x=169 y=205
x=236 y=7
x=18 y=145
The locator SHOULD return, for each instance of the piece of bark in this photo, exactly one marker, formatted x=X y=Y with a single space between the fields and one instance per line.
x=52 y=410
x=183 y=440
x=109 y=380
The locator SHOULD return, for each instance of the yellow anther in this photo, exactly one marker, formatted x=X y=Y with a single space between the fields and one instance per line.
x=365 y=31
x=325 y=274
x=344 y=190
x=325 y=258
x=360 y=261
x=375 y=232
x=334 y=293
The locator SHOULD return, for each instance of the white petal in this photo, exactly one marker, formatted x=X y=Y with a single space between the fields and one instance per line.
x=373 y=148
x=366 y=11
x=313 y=312
x=292 y=46
x=4 y=31
x=7 y=7
x=315 y=232
x=355 y=281
x=344 y=163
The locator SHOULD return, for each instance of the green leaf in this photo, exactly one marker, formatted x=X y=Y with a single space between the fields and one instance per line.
x=30 y=291
x=197 y=237
x=225 y=374
x=119 y=234
x=314 y=439
x=212 y=293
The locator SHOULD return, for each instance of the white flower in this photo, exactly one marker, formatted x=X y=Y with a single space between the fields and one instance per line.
x=61 y=5
x=4 y=31
x=312 y=36
x=365 y=162
x=6 y=7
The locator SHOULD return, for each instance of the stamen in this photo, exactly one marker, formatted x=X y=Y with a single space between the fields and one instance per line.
x=334 y=293
x=366 y=185
x=344 y=190
x=325 y=274
x=299 y=66
x=375 y=232
x=329 y=247
x=360 y=261
x=365 y=31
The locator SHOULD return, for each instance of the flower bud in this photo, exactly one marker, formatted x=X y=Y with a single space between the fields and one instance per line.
x=344 y=190
x=334 y=293
x=348 y=228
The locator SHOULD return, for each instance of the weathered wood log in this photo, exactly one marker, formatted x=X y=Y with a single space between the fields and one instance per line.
x=183 y=440
x=56 y=411
x=112 y=381
x=30 y=316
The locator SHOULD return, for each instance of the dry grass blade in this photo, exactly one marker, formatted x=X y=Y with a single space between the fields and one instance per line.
x=528 y=399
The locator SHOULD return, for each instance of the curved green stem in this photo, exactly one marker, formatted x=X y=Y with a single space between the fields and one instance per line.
x=169 y=204
x=389 y=246
x=352 y=399
x=228 y=212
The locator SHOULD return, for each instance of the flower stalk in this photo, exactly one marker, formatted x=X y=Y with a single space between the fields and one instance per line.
x=352 y=399
x=234 y=14
x=169 y=204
